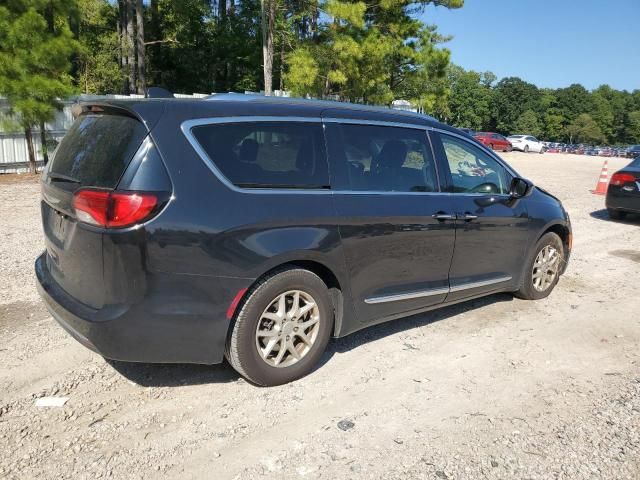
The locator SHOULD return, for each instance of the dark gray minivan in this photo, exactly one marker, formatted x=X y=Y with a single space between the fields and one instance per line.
x=253 y=228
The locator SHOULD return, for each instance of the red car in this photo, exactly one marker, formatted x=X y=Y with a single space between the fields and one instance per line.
x=494 y=141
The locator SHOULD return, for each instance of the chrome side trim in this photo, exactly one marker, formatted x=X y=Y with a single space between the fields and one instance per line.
x=355 y=121
x=484 y=283
x=196 y=122
x=188 y=125
x=407 y=296
x=435 y=291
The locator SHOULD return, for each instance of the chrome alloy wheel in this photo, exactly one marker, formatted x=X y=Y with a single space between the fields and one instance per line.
x=545 y=268
x=288 y=328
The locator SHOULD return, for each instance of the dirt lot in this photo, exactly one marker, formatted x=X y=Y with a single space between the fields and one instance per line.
x=496 y=388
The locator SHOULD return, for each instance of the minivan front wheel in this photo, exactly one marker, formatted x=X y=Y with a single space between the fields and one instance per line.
x=282 y=328
x=543 y=268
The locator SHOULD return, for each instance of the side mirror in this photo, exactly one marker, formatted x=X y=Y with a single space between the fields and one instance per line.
x=520 y=188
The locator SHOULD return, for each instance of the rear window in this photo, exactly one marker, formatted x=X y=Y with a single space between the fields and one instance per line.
x=97 y=149
x=267 y=154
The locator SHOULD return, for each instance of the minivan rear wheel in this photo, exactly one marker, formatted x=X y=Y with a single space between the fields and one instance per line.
x=543 y=268
x=282 y=328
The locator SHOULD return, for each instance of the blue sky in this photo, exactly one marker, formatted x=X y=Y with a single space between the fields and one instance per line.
x=551 y=43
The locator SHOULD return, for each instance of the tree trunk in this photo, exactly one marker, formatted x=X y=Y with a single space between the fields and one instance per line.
x=122 y=45
x=268 y=13
x=48 y=15
x=140 y=53
x=43 y=141
x=282 y=65
x=131 y=42
x=154 y=51
x=32 y=153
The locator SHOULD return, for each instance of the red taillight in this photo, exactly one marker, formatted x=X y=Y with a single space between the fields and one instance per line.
x=113 y=209
x=618 y=179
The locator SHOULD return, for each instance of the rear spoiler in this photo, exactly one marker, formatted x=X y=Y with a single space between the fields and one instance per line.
x=147 y=111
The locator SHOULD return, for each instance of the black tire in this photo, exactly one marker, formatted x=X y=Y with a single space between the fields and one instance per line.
x=616 y=214
x=527 y=291
x=526 y=149
x=241 y=349
x=542 y=150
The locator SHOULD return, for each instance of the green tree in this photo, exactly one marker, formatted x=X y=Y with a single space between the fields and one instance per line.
x=513 y=97
x=528 y=124
x=99 y=71
x=36 y=48
x=554 y=125
x=471 y=98
x=632 y=131
x=573 y=101
x=602 y=113
x=621 y=104
x=585 y=130
x=372 y=53
x=204 y=46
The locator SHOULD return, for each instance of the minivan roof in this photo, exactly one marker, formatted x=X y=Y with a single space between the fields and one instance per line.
x=149 y=110
x=240 y=97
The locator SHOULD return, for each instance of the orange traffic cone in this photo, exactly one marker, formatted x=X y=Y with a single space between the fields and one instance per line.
x=601 y=187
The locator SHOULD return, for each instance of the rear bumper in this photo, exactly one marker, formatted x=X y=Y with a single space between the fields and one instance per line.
x=618 y=199
x=179 y=325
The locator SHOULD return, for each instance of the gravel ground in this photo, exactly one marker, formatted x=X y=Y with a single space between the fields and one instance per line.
x=493 y=388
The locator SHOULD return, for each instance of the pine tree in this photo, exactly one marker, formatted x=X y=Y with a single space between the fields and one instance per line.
x=36 y=47
x=372 y=53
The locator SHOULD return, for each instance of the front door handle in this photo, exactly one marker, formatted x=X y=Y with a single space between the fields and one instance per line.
x=467 y=217
x=441 y=216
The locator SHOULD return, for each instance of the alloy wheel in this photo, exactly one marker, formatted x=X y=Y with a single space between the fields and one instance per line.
x=545 y=268
x=288 y=328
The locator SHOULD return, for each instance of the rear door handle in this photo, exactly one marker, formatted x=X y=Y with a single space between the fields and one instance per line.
x=440 y=216
x=467 y=217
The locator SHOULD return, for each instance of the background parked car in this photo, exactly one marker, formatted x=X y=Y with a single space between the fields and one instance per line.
x=623 y=193
x=495 y=141
x=526 y=143
x=633 y=151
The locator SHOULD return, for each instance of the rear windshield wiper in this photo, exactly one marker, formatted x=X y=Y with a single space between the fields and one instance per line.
x=59 y=177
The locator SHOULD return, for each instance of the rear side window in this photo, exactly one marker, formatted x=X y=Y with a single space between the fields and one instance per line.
x=381 y=159
x=97 y=149
x=267 y=154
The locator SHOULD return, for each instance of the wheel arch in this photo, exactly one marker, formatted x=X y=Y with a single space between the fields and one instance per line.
x=336 y=288
x=564 y=232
